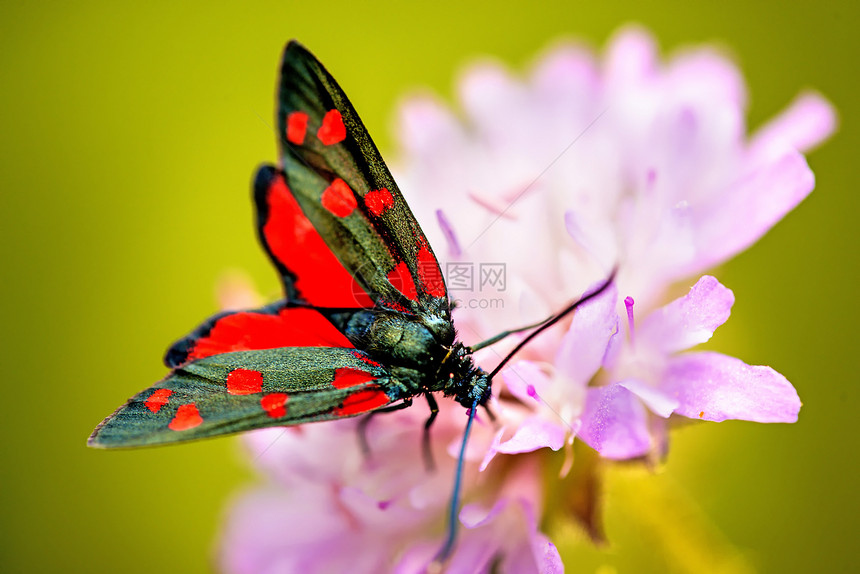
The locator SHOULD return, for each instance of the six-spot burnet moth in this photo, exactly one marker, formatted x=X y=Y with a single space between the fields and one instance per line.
x=365 y=324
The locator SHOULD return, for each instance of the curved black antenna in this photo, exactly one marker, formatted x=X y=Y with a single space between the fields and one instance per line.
x=544 y=325
x=503 y=334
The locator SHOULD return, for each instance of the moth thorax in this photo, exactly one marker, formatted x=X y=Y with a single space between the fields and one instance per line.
x=399 y=340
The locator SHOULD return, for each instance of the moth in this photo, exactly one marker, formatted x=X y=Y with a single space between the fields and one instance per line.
x=365 y=323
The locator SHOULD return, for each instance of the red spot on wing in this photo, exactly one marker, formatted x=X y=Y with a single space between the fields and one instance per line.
x=363 y=401
x=332 y=130
x=292 y=327
x=297 y=127
x=401 y=279
x=244 y=382
x=362 y=357
x=293 y=241
x=275 y=405
x=396 y=306
x=429 y=273
x=157 y=399
x=187 y=417
x=378 y=201
x=338 y=198
x=348 y=377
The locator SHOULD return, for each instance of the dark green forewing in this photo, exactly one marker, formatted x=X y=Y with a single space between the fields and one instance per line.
x=334 y=171
x=245 y=390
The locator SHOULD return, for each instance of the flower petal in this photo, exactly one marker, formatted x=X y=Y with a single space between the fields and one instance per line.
x=584 y=346
x=631 y=57
x=689 y=320
x=527 y=382
x=475 y=515
x=733 y=220
x=532 y=434
x=808 y=120
x=546 y=554
x=544 y=551
x=614 y=423
x=715 y=387
x=423 y=122
x=654 y=399
x=706 y=74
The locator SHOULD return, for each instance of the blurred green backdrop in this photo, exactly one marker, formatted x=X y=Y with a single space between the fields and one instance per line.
x=128 y=142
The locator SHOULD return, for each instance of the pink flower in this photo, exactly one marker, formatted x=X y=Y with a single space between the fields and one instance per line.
x=588 y=165
x=584 y=166
x=328 y=509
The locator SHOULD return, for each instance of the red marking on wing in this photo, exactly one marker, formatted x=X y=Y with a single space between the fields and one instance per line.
x=292 y=327
x=187 y=417
x=378 y=201
x=244 y=382
x=429 y=273
x=362 y=402
x=275 y=405
x=338 y=198
x=157 y=399
x=362 y=357
x=348 y=377
x=396 y=306
x=297 y=127
x=401 y=279
x=292 y=239
x=332 y=130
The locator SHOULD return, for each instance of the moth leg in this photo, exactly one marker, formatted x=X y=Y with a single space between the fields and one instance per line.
x=429 y=463
x=364 y=421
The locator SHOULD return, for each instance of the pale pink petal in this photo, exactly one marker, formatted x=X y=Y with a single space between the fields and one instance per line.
x=494 y=101
x=715 y=387
x=526 y=381
x=808 y=120
x=532 y=434
x=656 y=400
x=423 y=122
x=475 y=515
x=261 y=535
x=734 y=220
x=706 y=74
x=595 y=237
x=493 y=450
x=535 y=433
x=475 y=551
x=584 y=346
x=567 y=74
x=566 y=88
x=689 y=320
x=538 y=556
x=614 y=423
x=417 y=558
x=631 y=58
x=546 y=554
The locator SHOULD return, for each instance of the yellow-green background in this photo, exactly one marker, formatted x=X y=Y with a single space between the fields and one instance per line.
x=128 y=139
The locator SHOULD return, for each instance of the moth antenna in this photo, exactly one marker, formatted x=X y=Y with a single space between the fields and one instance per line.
x=453 y=520
x=504 y=334
x=544 y=325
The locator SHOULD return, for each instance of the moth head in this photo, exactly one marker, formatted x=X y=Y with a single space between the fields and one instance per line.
x=479 y=389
